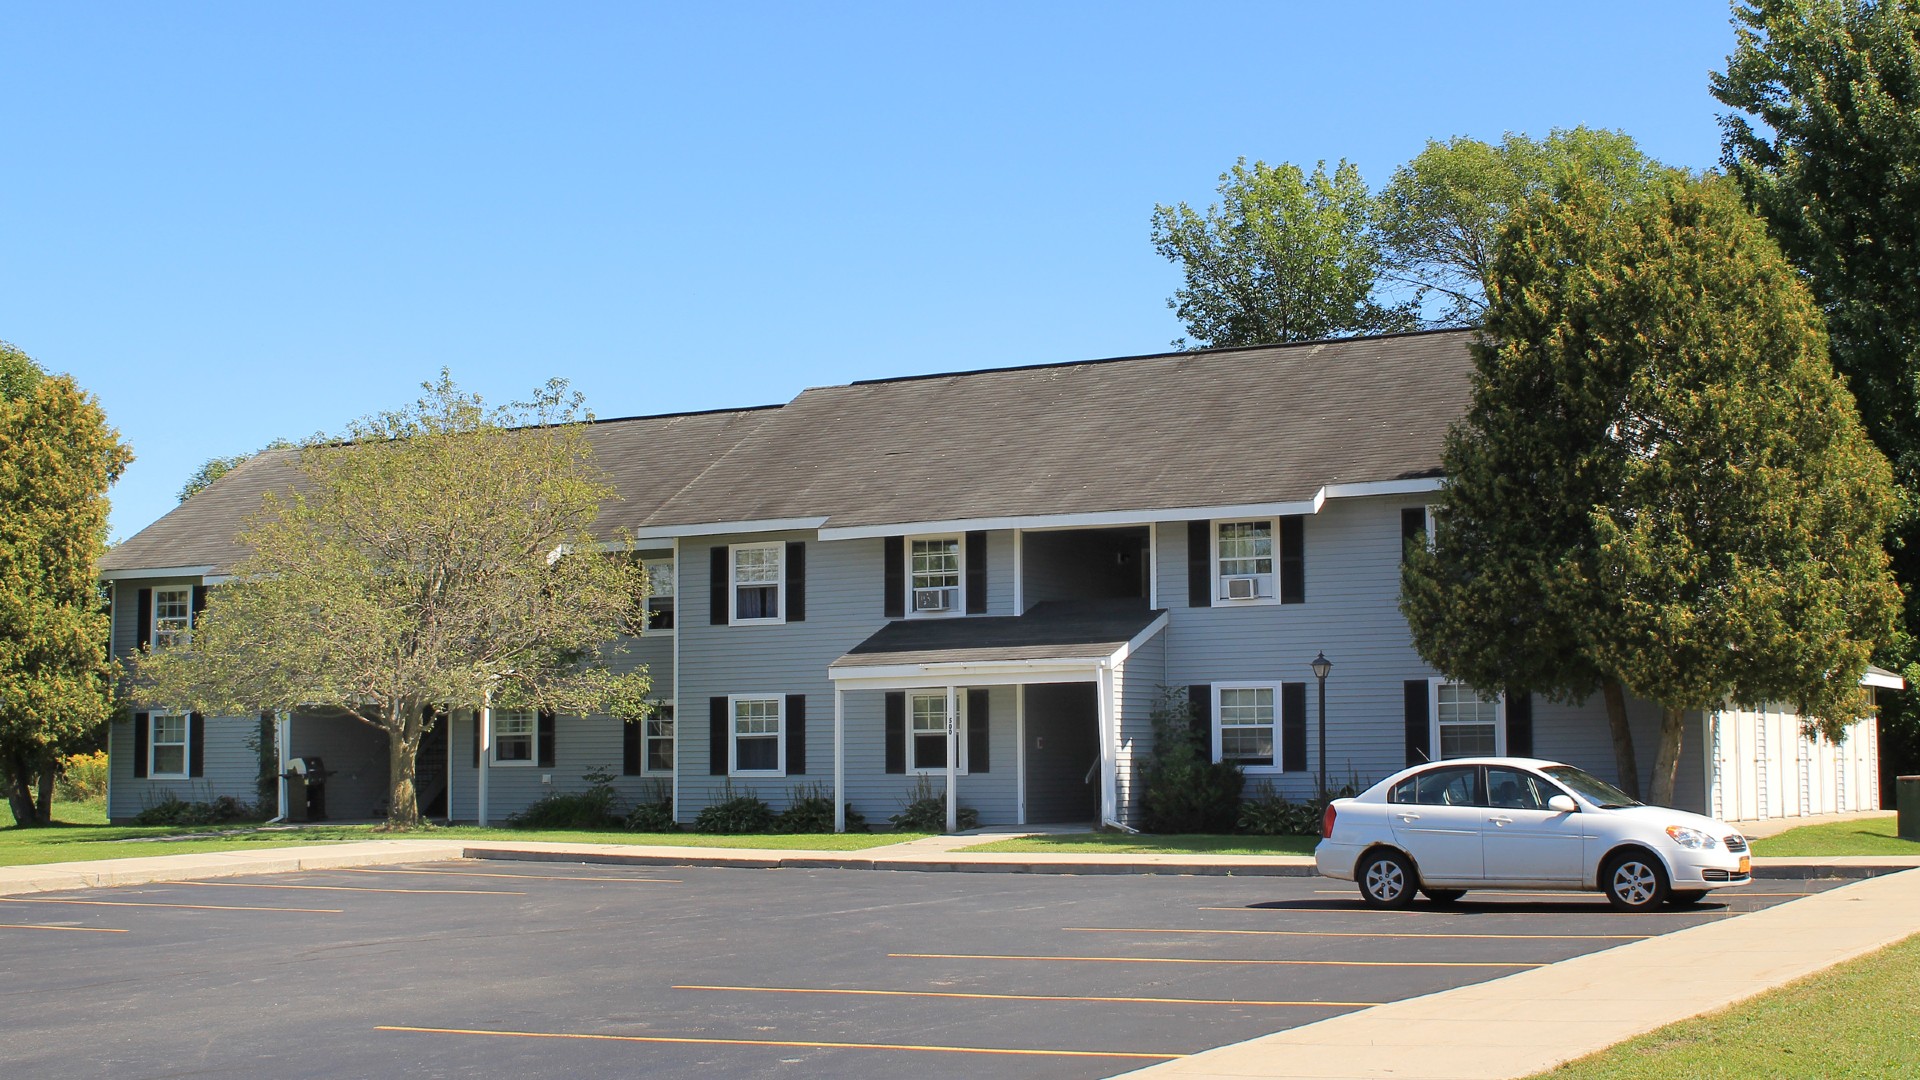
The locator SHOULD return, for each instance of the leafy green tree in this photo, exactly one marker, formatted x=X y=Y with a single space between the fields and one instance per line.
x=217 y=467
x=441 y=555
x=1282 y=257
x=1439 y=215
x=58 y=456
x=1661 y=487
x=1825 y=142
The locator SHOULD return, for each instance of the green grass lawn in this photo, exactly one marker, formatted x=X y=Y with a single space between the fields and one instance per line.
x=66 y=841
x=1869 y=836
x=1858 y=1019
x=1172 y=844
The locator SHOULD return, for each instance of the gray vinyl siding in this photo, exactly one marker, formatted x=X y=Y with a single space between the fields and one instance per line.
x=581 y=745
x=1138 y=686
x=232 y=766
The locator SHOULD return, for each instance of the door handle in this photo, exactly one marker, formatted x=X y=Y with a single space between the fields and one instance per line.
x=1409 y=817
x=1501 y=820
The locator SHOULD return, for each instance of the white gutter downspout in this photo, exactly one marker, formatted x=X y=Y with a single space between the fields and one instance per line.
x=486 y=747
x=839 y=760
x=450 y=714
x=280 y=722
x=679 y=720
x=953 y=757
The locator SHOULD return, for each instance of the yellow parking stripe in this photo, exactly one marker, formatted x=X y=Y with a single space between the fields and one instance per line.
x=188 y=907
x=798 y=1043
x=520 y=877
x=1359 y=934
x=1038 y=997
x=82 y=929
x=1213 y=960
x=342 y=888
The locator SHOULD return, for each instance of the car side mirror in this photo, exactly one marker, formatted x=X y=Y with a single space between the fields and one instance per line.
x=1562 y=804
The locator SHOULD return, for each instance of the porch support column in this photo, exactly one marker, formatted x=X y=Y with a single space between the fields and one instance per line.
x=839 y=760
x=282 y=743
x=486 y=748
x=953 y=755
x=1109 y=739
x=1020 y=754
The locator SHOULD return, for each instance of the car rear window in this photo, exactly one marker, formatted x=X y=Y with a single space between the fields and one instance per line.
x=1449 y=785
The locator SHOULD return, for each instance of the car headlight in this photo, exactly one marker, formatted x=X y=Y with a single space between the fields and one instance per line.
x=1692 y=839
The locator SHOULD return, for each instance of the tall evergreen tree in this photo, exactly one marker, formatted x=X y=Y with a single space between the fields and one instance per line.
x=58 y=456
x=1661 y=488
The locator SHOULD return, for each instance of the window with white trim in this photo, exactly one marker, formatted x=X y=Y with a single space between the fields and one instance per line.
x=1247 y=724
x=1243 y=560
x=659 y=740
x=934 y=576
x=758 y=745
x=927 y=742
x=1465 y=723
x=172 y=616
x=167 y=745
x=759 y=583
x=516 y=736
x=662 y=591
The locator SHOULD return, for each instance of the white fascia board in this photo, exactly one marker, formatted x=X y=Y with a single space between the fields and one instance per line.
x=716 y=528
x=988 y=673
x=156 y=572
x=1885 y=680
x=1120 y=655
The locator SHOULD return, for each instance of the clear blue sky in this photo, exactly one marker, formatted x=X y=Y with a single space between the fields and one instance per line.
x=238 y=221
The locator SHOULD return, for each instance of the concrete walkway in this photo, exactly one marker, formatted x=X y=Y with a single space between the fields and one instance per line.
x=1509 y=1027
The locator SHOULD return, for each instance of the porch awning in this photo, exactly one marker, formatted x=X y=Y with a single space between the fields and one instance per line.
x=1052 y=635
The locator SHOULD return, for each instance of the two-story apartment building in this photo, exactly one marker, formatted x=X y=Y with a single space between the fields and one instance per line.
x=994 y=576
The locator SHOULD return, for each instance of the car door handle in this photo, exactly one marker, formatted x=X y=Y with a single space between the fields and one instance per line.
x=1409 y=817
x=1501 y=820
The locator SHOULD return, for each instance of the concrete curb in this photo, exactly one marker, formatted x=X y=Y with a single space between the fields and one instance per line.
x=106 y=873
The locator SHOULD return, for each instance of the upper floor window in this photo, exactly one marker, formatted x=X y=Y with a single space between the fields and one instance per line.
x=172 y=616
x=662 y=590
x=1244 y=560
x=934 y=575
x=1466 y=724
x=758 y=582
x=516 y=735
x=927 y=714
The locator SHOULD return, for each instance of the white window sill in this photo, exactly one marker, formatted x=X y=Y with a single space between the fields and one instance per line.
x=775 y=774
x=934 y=772
x=510 y=764
x=756 y=622
x=166 y=776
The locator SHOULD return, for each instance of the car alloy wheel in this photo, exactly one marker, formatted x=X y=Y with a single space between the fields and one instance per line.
x=1386 y=880
x=1635 y=882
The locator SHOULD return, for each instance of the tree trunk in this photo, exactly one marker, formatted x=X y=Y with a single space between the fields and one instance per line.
x=46 y=795
x=1624 y=762
x=403 y=747
x=18 y=776
x=1666 y=766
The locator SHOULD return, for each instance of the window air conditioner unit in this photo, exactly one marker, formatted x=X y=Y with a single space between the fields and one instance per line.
x=930 y=599
x=1243 y=588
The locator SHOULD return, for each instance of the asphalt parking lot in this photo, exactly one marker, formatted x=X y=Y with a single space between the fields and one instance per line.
x=532 y=969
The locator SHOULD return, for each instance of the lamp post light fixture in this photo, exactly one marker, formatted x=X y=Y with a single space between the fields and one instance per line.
x=1321 y=668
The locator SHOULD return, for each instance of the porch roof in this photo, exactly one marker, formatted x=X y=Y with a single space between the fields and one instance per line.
x=1057 y=631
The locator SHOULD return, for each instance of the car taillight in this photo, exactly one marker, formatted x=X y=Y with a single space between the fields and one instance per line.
x=1326 y=822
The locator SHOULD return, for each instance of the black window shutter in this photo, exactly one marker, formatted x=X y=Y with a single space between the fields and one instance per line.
x=979 y=732
x=1200 y=697
x=630 y=743
x=199 y=601
x=1519 y=724
x=896 y=731
x=894 y=552
x=546 y=739
x=143 y=630
x=140 y=729
x=1200 y=565
x=476 y=740
x=717 y=736
x=796 y=723
x=717 y=593
x=796 y=581
x=196 y=745
x=1419 y=738
x=1413 y=528
x=1293 y=727
x=1293 y=559
x=976 y=573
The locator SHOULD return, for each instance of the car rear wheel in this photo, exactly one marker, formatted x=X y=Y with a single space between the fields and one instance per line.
x=1443 y=896
x=1686 y=897
x=1634 y=881
x=1386 y=880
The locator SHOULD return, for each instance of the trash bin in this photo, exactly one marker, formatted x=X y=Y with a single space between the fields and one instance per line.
x=1907 y=798
x=296 y=779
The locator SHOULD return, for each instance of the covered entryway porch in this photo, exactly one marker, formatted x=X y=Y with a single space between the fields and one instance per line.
x=1102 y=662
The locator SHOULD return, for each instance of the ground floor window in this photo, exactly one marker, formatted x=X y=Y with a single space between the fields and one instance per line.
x=1246 y=719
x=757 y=736
x=927 y=714
x=660 y=739
x=1465 y=723
x=515 y=733
x=167 y=746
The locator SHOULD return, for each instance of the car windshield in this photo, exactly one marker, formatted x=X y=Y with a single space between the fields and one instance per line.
x=1591 y=788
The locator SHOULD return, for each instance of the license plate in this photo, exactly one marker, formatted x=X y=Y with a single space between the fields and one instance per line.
x=1746 y=864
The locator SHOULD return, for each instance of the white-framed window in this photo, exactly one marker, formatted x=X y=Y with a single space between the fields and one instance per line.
x=662 y=596
x=658 y=739
x=759 y=584
x=1244 y=553
x=927 y=733
x=1246 y=724
x=935 y=576
x=172 y=616
x=516 y=736
x=759 y=742
x=1465 y=723
x=167 y=745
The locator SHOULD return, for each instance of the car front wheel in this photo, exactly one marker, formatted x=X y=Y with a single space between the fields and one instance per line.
x=1634 y=881
x=1386 y=880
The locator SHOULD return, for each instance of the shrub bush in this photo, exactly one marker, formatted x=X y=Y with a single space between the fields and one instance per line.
x=174 y=810
x=652 y=816
x=734 y=815
x=83 y=777
x=1271 y=814
x=1186 y=791
x=811 y=811
x=589 y=809
x=926 y=811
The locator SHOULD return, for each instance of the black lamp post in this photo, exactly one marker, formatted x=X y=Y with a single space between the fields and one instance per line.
x=1321 y=668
